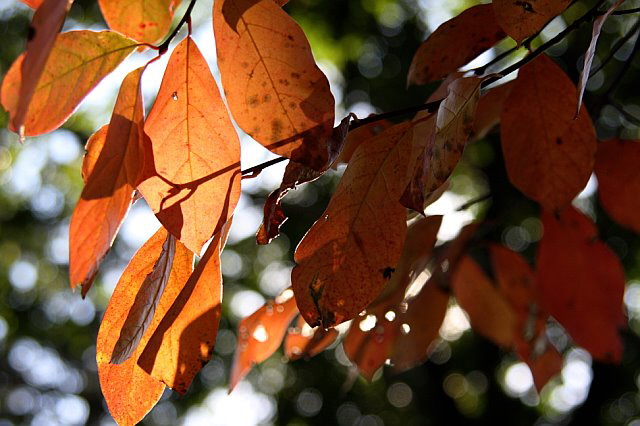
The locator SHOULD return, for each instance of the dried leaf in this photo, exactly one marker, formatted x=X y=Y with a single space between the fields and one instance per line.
x=193 y=163
x=549 y=156
x=108 y=193
x=147 y=21
x=274 y=89
x=455 y=43
x=619 y=180
x=260 y=335
x=145 y=303
x=521 y=19
x=303 y=341
x=78 y=61
x=183 y=341
x=45 y=25
x=344 y=259
x=581 y=283
x=129 y=391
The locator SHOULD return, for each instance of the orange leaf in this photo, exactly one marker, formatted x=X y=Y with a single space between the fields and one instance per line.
x=619 y=180
x=92 y=150
x=359 y=136
x=455 y=43
x=147 y=21
x=549 y=156
x=183 y=341
x=129 y=391
x=34 y=4
x=489 y=312
x=303 y=341
x=260 y=335
x=581 y=283
x=45 y=25
x=193 y=163
x=108 y=193
x=489 y=110
x=453 y=126
x=78 y=61
x=274 y=89
x=521 y=19
x=343 y=262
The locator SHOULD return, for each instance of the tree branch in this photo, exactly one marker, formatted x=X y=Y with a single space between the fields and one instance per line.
x=186 y=19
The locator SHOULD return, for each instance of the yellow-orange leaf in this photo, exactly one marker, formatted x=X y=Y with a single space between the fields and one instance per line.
x=489 y=312
x=183 y=341
x=45 y=25
x=193 y=163
x=455 y=43
x=78 y=61
x=303 y=341
x=147 y=21
x=129 y=391
x=108 y=193
x=549 y=156
x=581 y=283
x=346 y=258
x=619 y=180
x=259 y=335
x=275 y=91
x=521 y=19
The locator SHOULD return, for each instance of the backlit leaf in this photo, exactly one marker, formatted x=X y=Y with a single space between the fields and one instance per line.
x=78 y=61
x=521 y=19
x=92 y=149
x=115 y=171
x=455 y=43
x=303 y=341
x=129 y=391
x=581 y=283
x=45 y=25
x=549 y=156
x=193 y=163
x=260 y=335
x=147 y=21
x=344 y=259
x=619 y=180
x=359 y=136
x=34 y=4
x=274 y=89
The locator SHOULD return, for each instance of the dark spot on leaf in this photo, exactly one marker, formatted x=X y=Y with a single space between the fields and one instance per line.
x=290 y=37
x=276 y=129
x=266 y=98
x=31 y=33
x=244 y=64
x=253 y=101
x=295 y=75
x=559 y=141
x=526 y=6
x=386 y=272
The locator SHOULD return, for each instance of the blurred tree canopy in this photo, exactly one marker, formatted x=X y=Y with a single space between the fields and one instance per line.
x=48 y=371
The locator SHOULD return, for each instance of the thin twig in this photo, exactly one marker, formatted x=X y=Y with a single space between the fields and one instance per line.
x=186 y=18
x=474 y=201
x=626 y=12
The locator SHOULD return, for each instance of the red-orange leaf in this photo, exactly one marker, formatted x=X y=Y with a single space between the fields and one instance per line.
x=581 y=283
x=34 y=4
x=147 y=21
x=344 y=260
x=358 y=136
x=619 y=180
x=455 y=43
x=183 y=341
x=78 y=61
x=549 y=156
x=259 y=335
x=489 y=110
x=545 y=366
x=108 y=193
x=275 y=91
x=92 y=150
x=193 y=163
x=129 y=391
x=303 y=341
x=45 y=25
x=521 y=19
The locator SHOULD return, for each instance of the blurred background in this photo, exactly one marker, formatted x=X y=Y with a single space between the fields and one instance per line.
x=47 y=333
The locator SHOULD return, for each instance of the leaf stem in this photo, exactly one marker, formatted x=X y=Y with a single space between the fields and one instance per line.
x=186 y=18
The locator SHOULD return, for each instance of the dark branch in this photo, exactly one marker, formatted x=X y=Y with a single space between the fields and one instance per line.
x=626 y=12
x=186 y=19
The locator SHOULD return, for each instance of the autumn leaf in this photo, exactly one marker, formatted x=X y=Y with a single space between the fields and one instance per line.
x=581 y=283
x=545 y=366
x=344 y=259
x=78 y=61
x=619 y=180
x=521 y=19
x=129 y=391
x=274 y=89
x=184 y=339
x=549 y=156
x=92 y=150
x=112 y=167
x=260 y=335
x=303 y=341
x=45 y=25
x=34 y=4
x=193 y=161
x=358 y=136
x=147 y=21
x=489 y=110
x=455 y=43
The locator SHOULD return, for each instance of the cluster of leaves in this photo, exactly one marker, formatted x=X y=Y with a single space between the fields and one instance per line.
x=363 y=260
